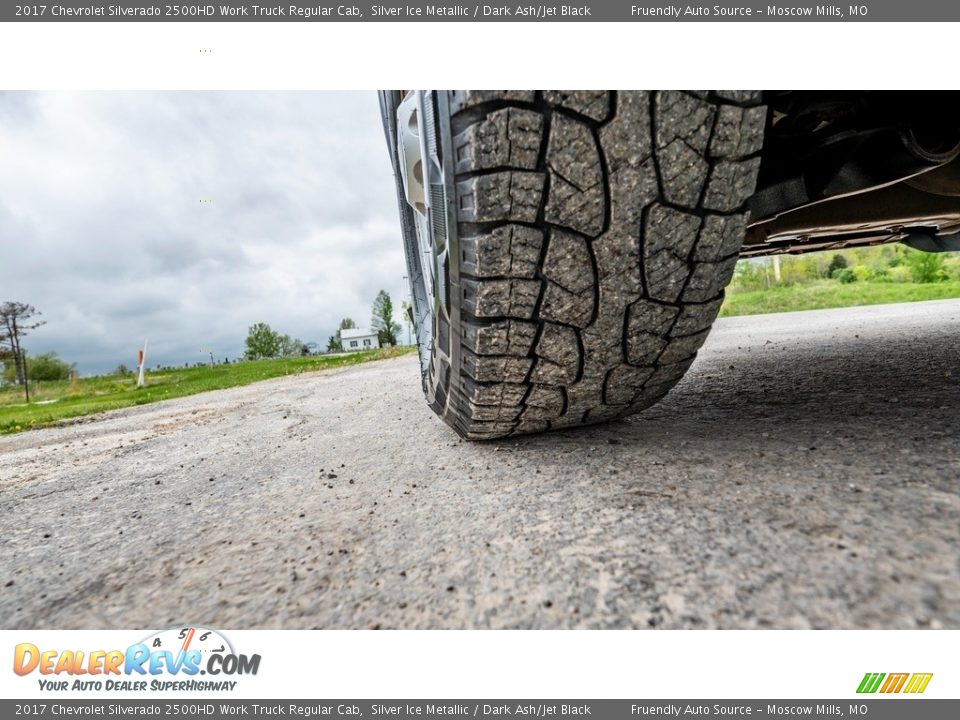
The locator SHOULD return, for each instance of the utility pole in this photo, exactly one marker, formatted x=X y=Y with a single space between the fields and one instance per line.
x=26 y=377
x=142 y=361
x=408 y=314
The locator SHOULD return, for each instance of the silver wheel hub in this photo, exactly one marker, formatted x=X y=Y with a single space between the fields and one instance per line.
x=414 y=166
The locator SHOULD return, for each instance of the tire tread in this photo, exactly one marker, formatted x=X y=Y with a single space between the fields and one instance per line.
x=597 y=230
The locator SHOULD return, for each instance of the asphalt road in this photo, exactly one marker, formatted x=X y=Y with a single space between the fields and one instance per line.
x=804 y=474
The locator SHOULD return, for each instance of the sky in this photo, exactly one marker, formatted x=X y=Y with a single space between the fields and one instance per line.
x=186 y=217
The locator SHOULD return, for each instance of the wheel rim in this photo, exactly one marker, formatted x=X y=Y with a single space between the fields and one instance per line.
x=414 y=127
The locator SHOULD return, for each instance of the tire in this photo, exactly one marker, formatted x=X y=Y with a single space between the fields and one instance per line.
x=571 y=248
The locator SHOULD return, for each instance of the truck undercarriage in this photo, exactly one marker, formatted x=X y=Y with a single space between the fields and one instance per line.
x=844 y=169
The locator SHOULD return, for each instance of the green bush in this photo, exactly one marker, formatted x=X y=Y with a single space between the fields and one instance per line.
x=926 y=267
x=794 y=272
x=47 y=366
x=951 y=266
x=900 y=274
x=846 y=276
x=897 y=253
x=750 y=275
x=837 y=264
x=890 y=263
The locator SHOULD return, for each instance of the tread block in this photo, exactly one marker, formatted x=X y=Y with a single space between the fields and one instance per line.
x=632 y=180
x=720 y=237
x=683 y=171
x=489 y=430
x=618 y=265
x=544 y=402
x=738 y=131
x=558 y=356
x=603 y=344
x=493 y=393
x=626 y=138
x=682 y=116
x=594 y=104
x=500 y=197
x=501 y=298
x=505 y=337
x=680 y=348
x=577 y=197
x=623 y=383
x=496 y=368
x=563 y=306
x=694 y=318
x=668 y=236
x=530 y=426
x=569 y=297
x=568 y=263
x=708 y=279
x=509 y=137
x=582 y=397
x=731 y=183
x=494 y=413
x=647 y=327
x=505 y=251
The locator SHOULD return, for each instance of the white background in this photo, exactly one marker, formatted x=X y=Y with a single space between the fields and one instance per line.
x=657 y=664
x=356 y=56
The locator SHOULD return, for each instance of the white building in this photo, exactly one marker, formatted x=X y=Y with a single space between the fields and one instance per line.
x=358 y=339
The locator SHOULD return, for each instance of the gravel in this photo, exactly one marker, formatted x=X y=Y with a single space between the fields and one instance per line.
x=804 y=474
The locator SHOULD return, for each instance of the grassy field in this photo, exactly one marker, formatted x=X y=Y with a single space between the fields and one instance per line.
x=55 y=401
x=832 y=294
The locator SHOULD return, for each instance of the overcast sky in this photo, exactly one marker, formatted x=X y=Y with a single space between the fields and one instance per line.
x=102 y=227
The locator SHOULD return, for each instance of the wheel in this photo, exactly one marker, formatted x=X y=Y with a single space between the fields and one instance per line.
x=567 y=250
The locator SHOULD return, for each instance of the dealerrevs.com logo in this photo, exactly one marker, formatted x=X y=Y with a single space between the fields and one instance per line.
x=168 y=660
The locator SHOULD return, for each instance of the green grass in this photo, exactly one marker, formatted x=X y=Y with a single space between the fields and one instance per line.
x=52 y=402
x=832 y=294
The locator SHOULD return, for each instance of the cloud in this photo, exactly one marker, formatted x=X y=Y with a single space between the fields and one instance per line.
x=186 y=217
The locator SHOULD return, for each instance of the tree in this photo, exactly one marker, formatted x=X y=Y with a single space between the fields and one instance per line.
x=926 y=267
x=262 y=342
x=47 y=366
x=291 y=347
x=15 y=322
x=837 y=263
x=382 y=320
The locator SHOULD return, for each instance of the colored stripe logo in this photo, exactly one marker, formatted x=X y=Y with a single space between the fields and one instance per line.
x=894 y=682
